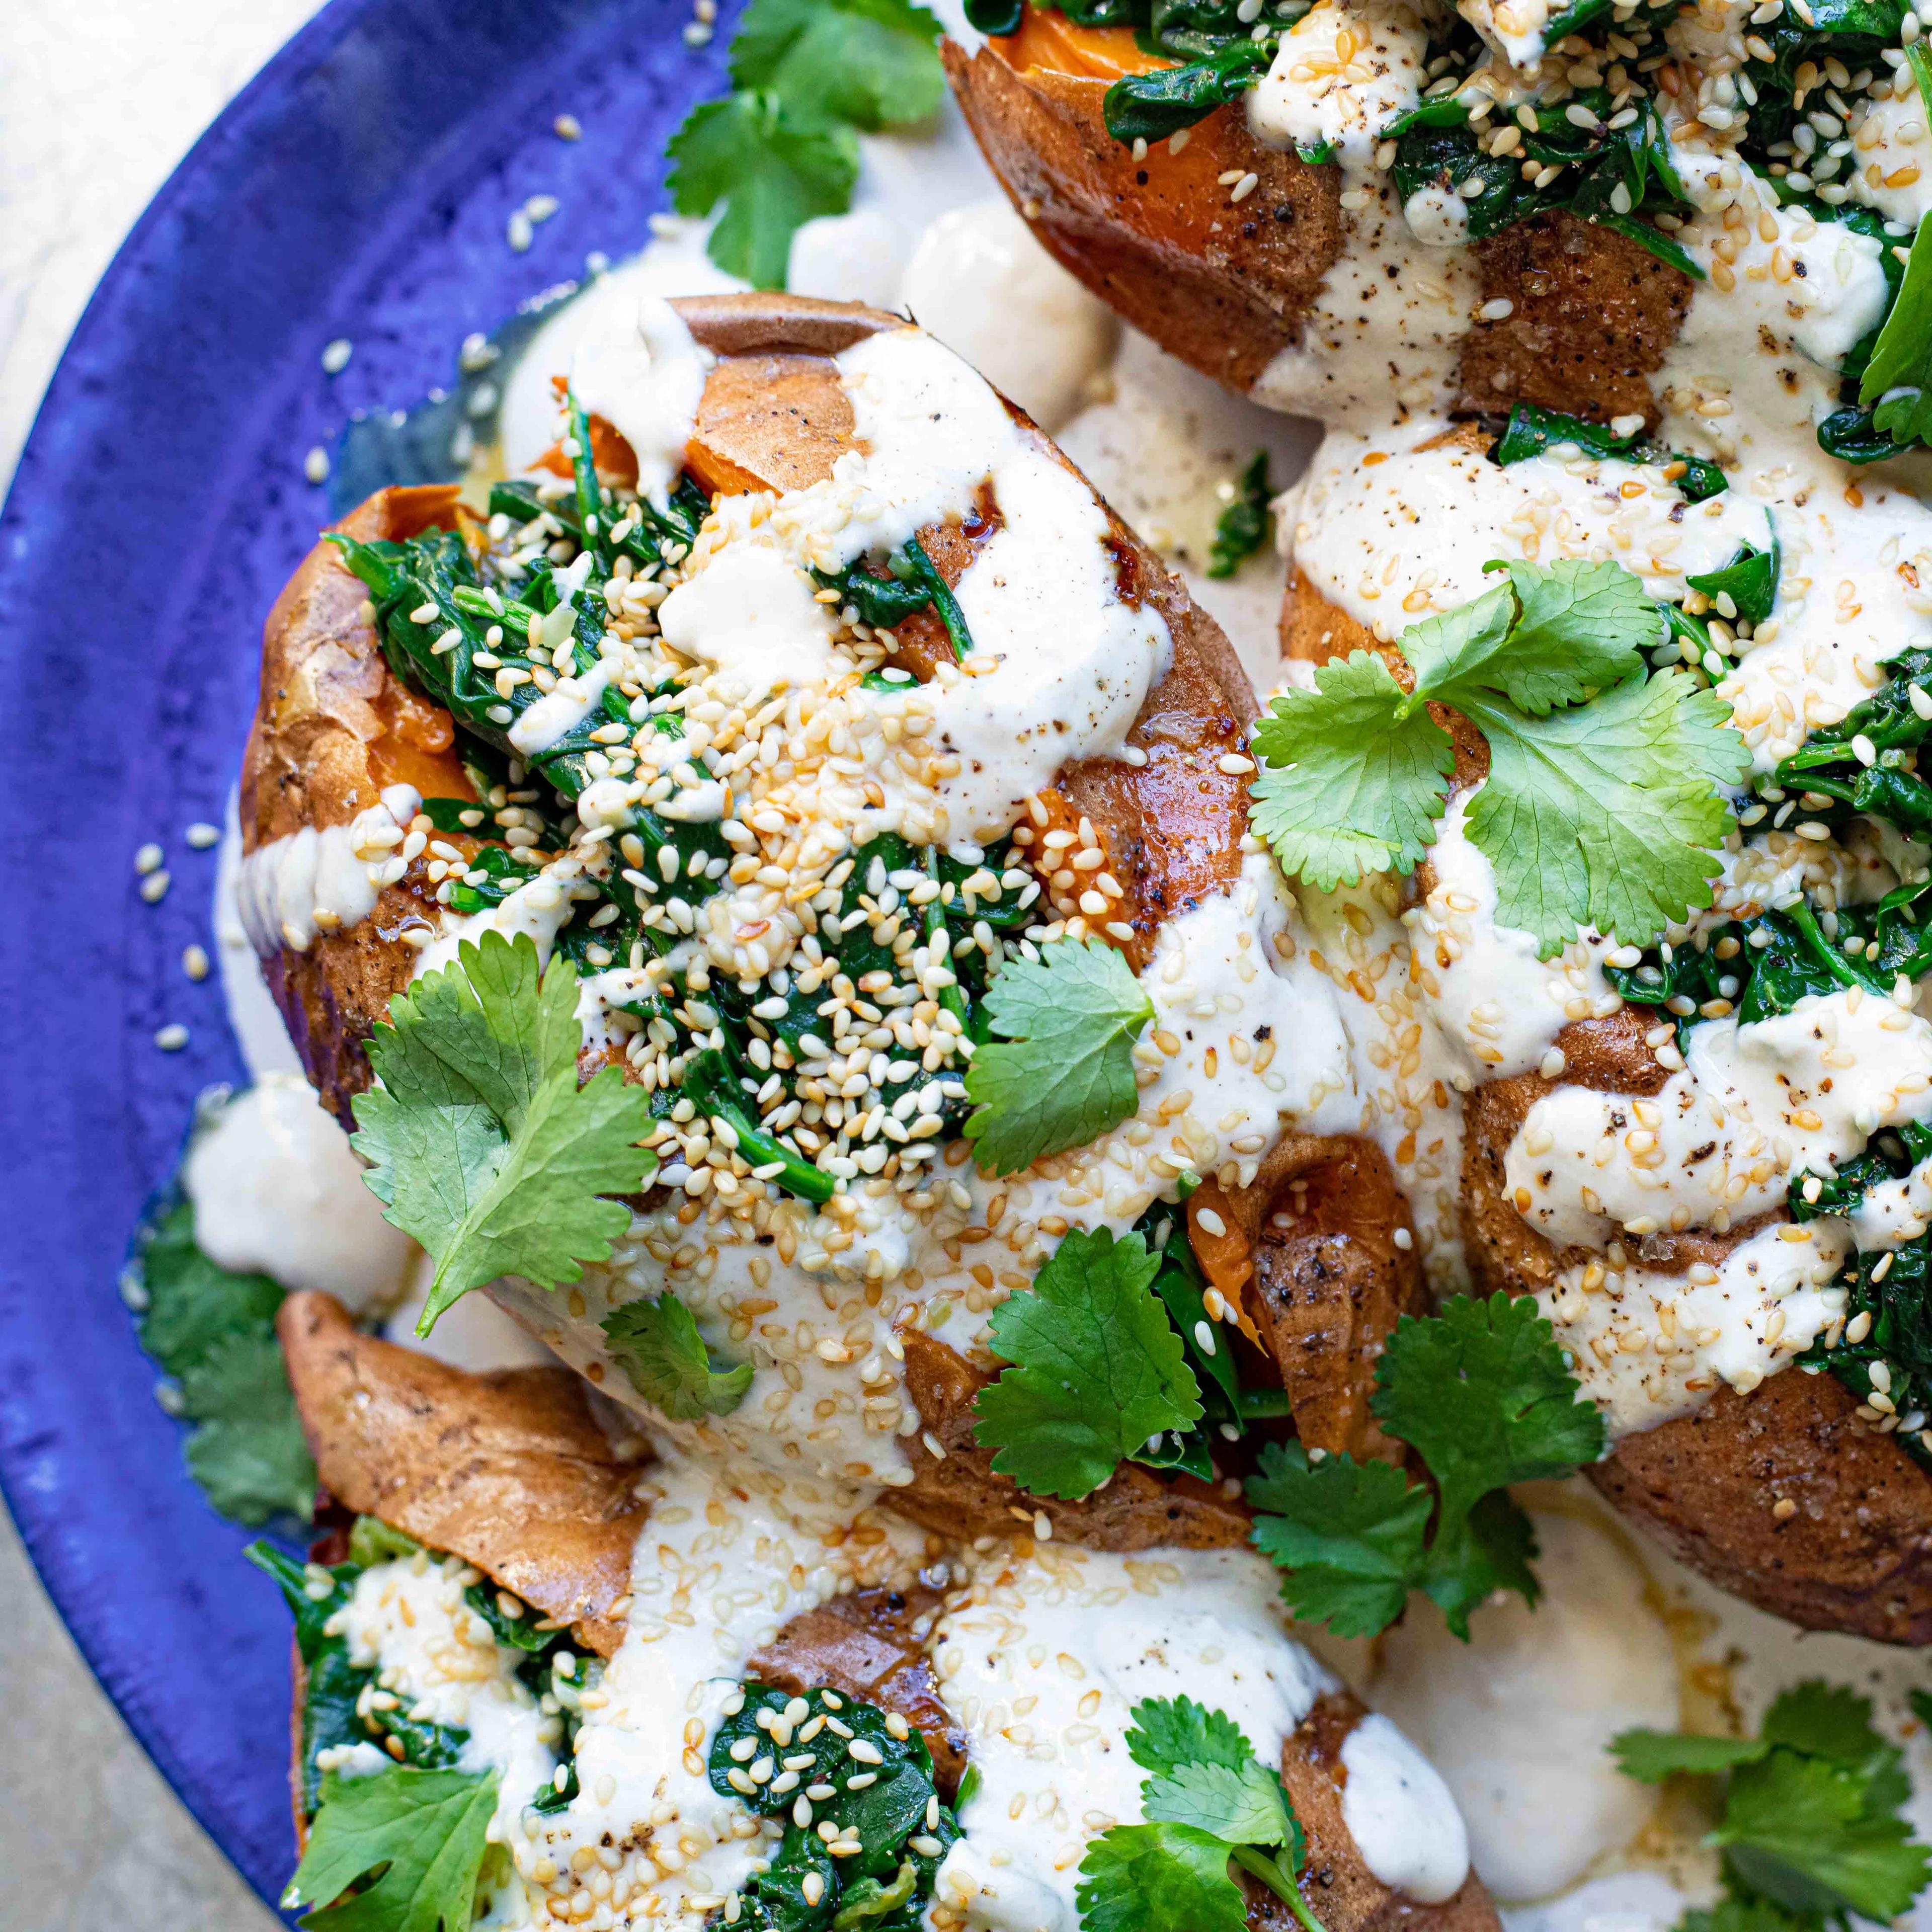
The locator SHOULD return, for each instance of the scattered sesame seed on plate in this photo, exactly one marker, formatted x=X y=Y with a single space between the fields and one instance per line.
x=335 y=357
x=148 y=859
x=315 y=465
x=201 y=835
x=173 y=1037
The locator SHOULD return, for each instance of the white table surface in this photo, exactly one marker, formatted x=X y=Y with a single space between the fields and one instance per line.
x=98 y=100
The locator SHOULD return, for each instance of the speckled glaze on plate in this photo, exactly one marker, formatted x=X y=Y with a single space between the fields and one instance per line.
x=359 y=187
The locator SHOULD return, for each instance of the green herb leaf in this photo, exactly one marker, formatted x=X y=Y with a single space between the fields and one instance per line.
x=1607 y=814
x=1158 y=1878
x=1242 y=528
x=1650 y=1756
x=1828 y=1721
x=870 y=62
x=661 y=1350
x=1168 y=1732
x=423 y=1831
x=1209 y=1799
x=480 y=1142
x=773 y=171
x=1897 y=385
x=1097 y=1368
x=1799 y=1830
x=1579 y=629
x=249 y=1453
x=1347 y=1536
x=1244 y=1807
x=1348 y=785
x=1601 y=805
x=1483 y=1392
x=1812 y=1830
x=1063 y=1071
x=214 y=1331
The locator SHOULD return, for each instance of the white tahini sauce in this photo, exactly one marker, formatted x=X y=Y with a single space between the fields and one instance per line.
x=1042 y=1662
x=1518 y=1720
x=647 y=383
x=277 y=1190
x=1401 y=1814
x=1651 y=1346
x=323 y=880
x=1753 y=1106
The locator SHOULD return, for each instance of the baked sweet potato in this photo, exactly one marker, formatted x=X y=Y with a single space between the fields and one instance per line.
x=1853 y=1551
x=1170 y=823
x=1226 y=285
x=511 y=1472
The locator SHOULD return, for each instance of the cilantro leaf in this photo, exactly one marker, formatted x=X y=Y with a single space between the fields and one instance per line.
x=479 y=1141
x=773 y=171
x=661 y=1350
x=1601 y=805
x=214 y=1331
x=1211 y=1799
x=1606 y=814
x=1097 y=1368
x=1347 y=1535
x=1812 y=1831
x=1347 y=783
x=870 y=62
x=1798 y=1830
x=191 y=1303
x=1242 y=528
x=1485 y=1395
x=1483 y=1391
x=1828 y=1721
x=249 y=1454
x=1062 y=1071
x=1244 y=1807
x=1733 y=1914
x=1898 y=378
x=1650 y=1756
x=1168 y=1732
x=1579 y=629
x=423 y=1830
x=1155 y=1878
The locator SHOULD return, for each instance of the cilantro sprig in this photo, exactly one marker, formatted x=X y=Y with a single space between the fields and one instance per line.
x=479 y=1141
x=1208 y=1800
x=1483 y=1392
x=1097 y=1370
x=1813 y=1832
x=1063 y=1071
x=1601 y=807
x=213 y=1331
x=657 y=1344
x=808 y=77
x=421 y=1833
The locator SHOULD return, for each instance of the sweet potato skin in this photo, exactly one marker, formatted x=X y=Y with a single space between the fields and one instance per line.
x=1223 y=287
x=1594 y=314
x=510 y=1470
x=1343 y=1894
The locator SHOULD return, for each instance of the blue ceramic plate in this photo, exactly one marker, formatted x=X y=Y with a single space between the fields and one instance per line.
x=360 y=188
